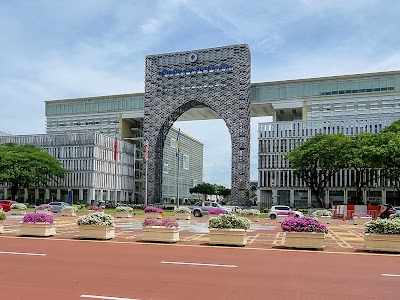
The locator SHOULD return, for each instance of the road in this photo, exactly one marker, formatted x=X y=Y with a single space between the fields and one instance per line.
x=39 y=268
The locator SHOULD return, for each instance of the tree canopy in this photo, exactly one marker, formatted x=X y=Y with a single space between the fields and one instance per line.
x=27 y=166
x=210 y=189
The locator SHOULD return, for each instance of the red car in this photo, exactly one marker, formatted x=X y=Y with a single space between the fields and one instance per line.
x=6 y=204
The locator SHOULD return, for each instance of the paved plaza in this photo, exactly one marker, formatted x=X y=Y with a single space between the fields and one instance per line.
x=343 y=236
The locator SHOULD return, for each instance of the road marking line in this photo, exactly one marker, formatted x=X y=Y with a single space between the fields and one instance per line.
x=23 y=253
x=106 y=297
x=391 y=275
x=197 y=264
x=252 y=239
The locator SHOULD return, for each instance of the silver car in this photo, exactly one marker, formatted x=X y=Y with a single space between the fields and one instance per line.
x=57 y=206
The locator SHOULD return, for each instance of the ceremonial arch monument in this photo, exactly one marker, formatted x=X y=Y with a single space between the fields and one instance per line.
x=217 y=79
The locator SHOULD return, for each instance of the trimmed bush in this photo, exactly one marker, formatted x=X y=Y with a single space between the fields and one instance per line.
x=96 y=219
x=383 y=226
x=123 y=208
x=167 y=222
x=304 y=224
x=322 y=213
x=229 y=222
x=182 y=210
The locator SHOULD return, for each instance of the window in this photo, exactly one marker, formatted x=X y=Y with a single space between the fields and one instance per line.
x=173 y=143
x=165 y=168
x=185 y=162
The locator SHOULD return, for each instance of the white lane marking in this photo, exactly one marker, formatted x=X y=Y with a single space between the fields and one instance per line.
x=197 y=264
x=23 y=253
x=391 y=275
x=106 y=297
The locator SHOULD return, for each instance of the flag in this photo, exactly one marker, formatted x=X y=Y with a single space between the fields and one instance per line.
x=115 y=148
x=177 y=143
x=146 y=146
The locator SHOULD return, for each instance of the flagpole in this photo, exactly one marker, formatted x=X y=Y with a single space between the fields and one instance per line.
x=145 y=185
x=177 y=183
x=146 y=158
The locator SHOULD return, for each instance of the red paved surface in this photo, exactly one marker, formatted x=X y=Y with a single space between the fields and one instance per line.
x=133 y=270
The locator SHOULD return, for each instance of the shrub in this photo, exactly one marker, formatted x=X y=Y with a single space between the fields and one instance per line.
x=229 y=222
x=96 y=219
x=44 y=207
x=18 y=206
x=38 y=218
x=69 y=208
x=167 y=222
x=383 y=226
x=123 y=208
x=361 y=215
x=304 y=224
x=250 y=212
x=95 y=208
x=217 y=211
x=266 y=210
x=182 y=210
x=322 y=213
x=395 y=215
x=2 y=215
x=153 y=209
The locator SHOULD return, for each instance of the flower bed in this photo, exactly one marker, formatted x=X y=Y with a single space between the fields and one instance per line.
x=95 y=208
x=96 y=225
x=165 y=230
x=37 y=224
x=69 y=211
x=18 y=209
x=228 y=230
x=251 y=214
x=382 y=235
x=217 y=211
x=123 y=211
x=182 y=213
x=324 y=216
x=44 y=208
x=153 y=212
x=304 y=232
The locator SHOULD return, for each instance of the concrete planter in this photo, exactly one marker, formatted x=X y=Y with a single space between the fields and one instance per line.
x=234 y=237
x=123 y=214
x=160 y=234
x=182 y=216
x=96 y=232
x=305 y=240
x=37 y=229
x=1 y=227
x=382 y=242
x=43 y=211
x=68 y=213
x=325 y=219
x=361 y=220
x=253 y=218
x=153 y=215
x=18 y=212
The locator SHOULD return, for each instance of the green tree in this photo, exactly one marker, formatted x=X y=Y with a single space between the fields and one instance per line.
x=27 y=166
x=203 y=188
x=316 y=160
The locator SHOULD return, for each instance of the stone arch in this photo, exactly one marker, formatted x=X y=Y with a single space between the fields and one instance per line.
x=217 y=78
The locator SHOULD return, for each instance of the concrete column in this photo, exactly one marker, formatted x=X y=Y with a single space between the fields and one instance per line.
x=36 y=194
x=80 y=195
x=5 y=194
x=309 y=197
x=383 y=197
x=25 y=195
x=58 y=194
x=364 y=196
x=327 y=198
x=47 y=195
x=291 y=198
x=274 y=197
x=108 y=195
x=91 y=195
x=346 y=196
x=101 y=195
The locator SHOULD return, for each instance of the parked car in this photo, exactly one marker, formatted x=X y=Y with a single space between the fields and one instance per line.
x=57 y=206
x=283 y=210
x=201 y=208
x=6 y=204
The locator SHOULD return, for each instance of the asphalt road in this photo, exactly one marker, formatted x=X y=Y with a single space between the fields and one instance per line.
x=39 y=268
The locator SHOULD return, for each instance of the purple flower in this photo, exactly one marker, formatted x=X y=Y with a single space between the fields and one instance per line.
x=38 y=218
x=304 y=224
x=153 y=209
x=95 y=208
x=167 y=222
x=217 y=211
x=44 y=207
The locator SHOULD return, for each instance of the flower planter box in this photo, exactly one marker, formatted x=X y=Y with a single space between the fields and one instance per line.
x=43 y=211
x=154 y=215
x=253 y=218
x=182 y=216
x=324 y=219
x=1 y=227
x=68 y=213
x=18 y=212
x=160 y=234
x=235 y=237
x=37 y=229
x=382 y=242
x=123 y=214
x=361 y=220
x=96 y=232
x=305 y=240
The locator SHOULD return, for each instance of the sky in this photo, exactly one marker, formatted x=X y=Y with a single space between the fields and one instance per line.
x=53 y=49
